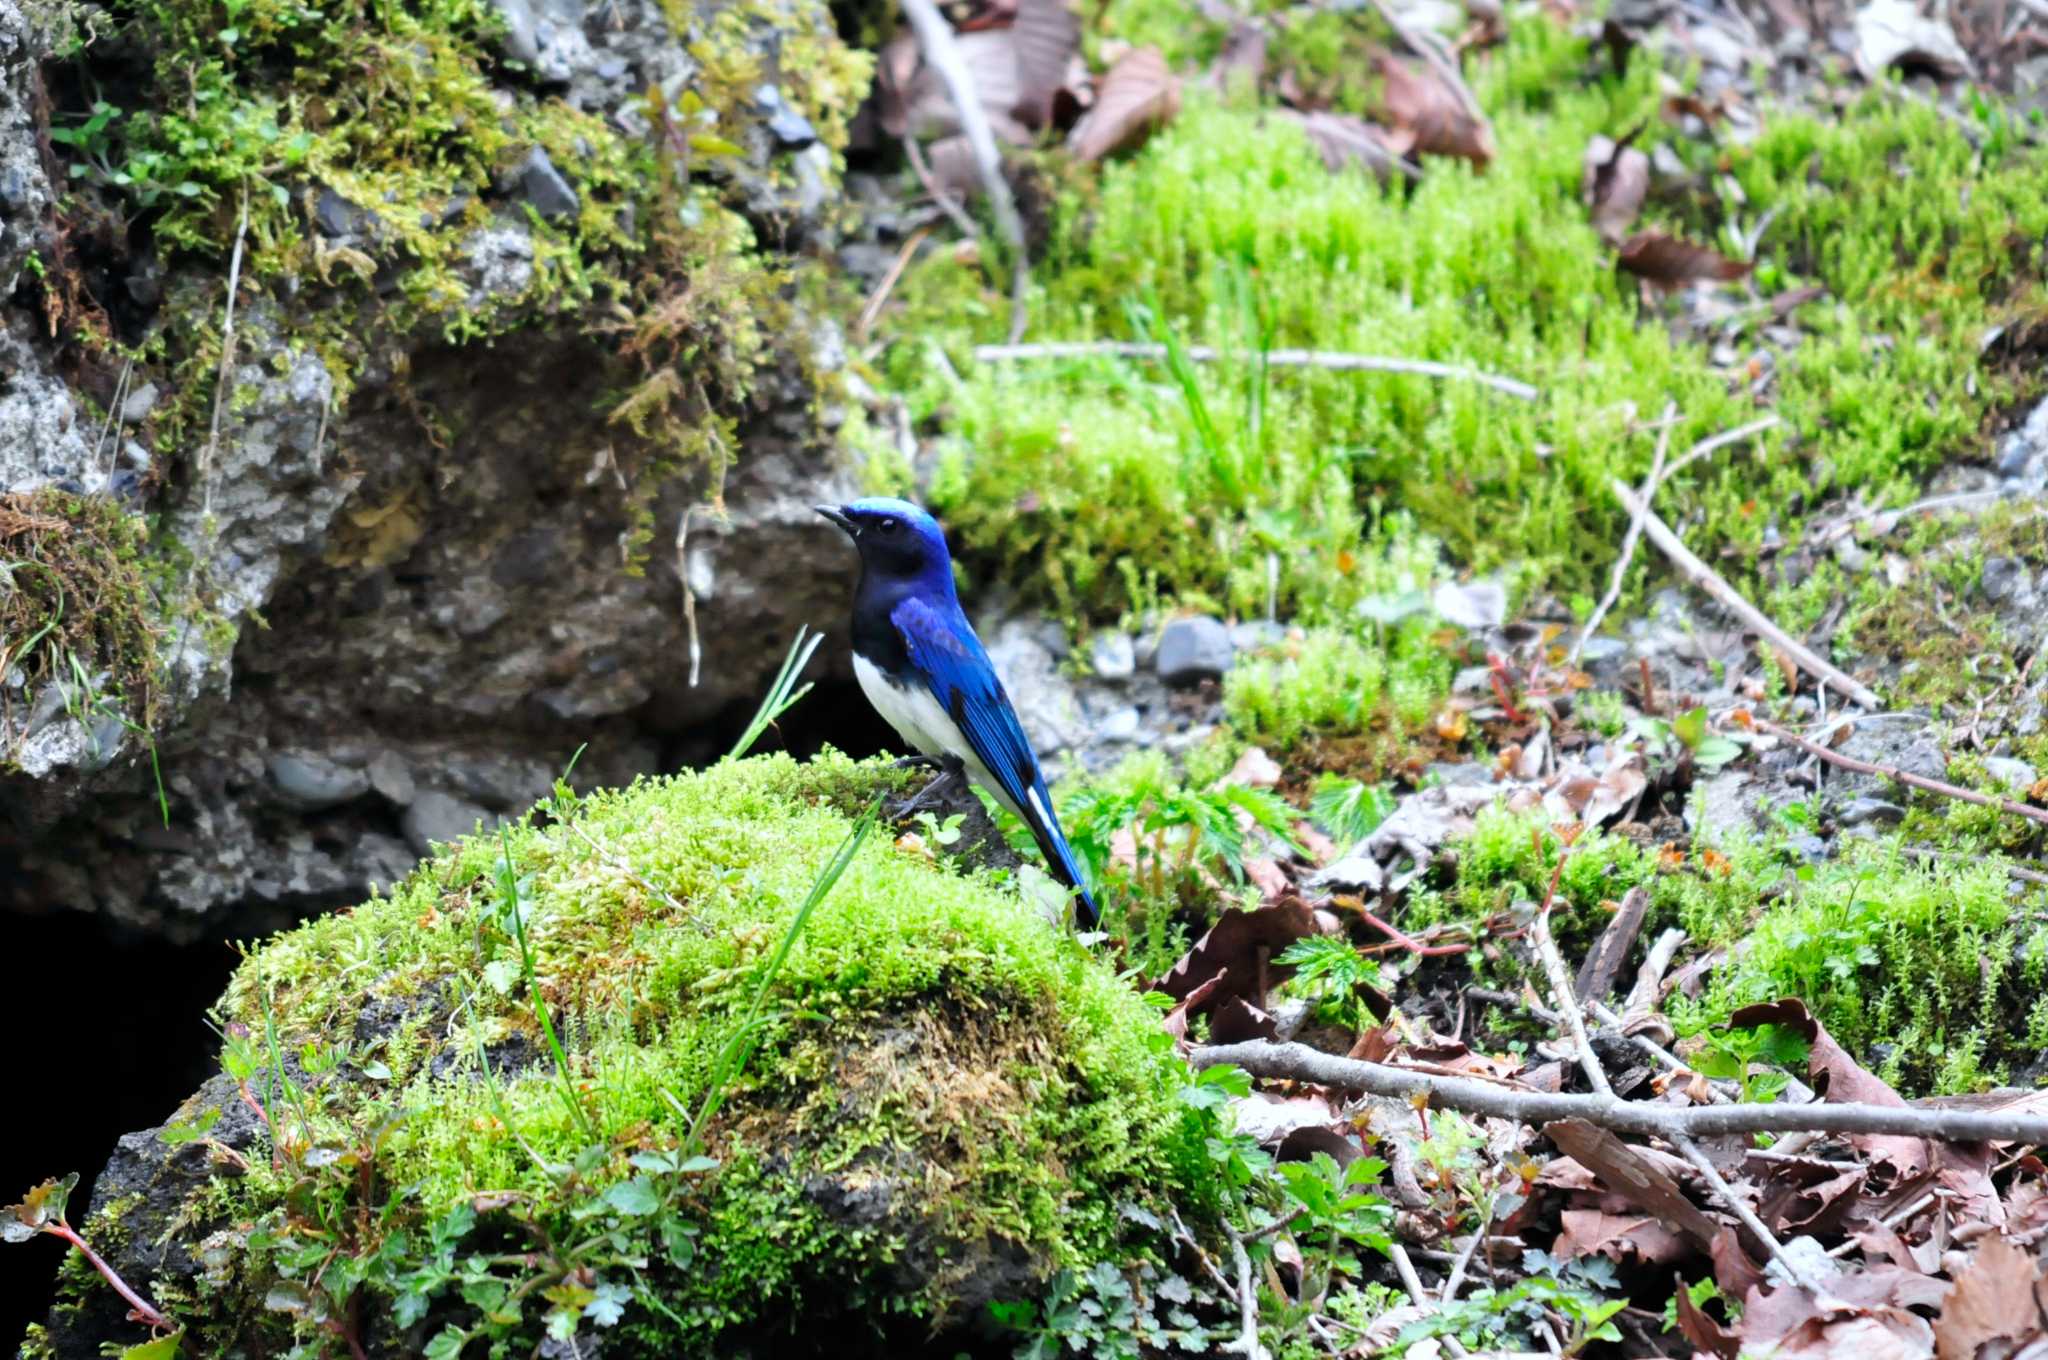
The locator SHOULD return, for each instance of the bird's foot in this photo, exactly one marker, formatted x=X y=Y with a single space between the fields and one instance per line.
x=920 y=762
x=949 y=774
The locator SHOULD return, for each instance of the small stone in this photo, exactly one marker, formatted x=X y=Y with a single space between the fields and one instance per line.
x=1474 y=606
x=391 y=777
x=790 y=129
x=545 y=188
x=313 y=782
x=1598 y=649
x=2003 y=578
x=1122 y=725
x=2014 y=774
x=139 y=404
x=437 y=818
x=1812 y=849
x=1851 y=555
x=1112 y=656
x=1876 y=811
x=520 y=41
x=1192 y=650
x=336 y=216
x=1253 y=634
x=1454 y=772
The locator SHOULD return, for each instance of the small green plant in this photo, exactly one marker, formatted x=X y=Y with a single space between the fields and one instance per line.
x=1573 y=1292
x=1348 y=810
x=1112 y=1314
x=41 y=1211
x=783 y=693
x=1758 y=1058
x=1333 y=973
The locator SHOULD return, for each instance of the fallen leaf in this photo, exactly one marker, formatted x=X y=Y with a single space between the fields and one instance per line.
x=1433 y=115
x=1669 y=263
x=1254 y=769
x=1237 y=1020
x=1618 y=1237
x=1232 y=946
x=1268 y=1118
x=1137 y=96
x=1243 y=58
x=1614 y=180
x=1705 y=1334
x=1840 y=1078
x=1625 y=1171
x=1998 y=1299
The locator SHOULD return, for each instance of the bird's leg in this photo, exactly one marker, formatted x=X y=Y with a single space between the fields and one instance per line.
x=922 y=762
x=951 y=771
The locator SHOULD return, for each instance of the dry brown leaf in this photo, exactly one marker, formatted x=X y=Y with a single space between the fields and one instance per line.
x=1840 y=1078
x=1614 y=181
x=1048 y=38
x=1254 y=769
x=1420 y=104
x=1670 y=263
x=1628 y=1172
x=1243 y=58
x=1234 y=945
x=1706 y=1335
x=1618 y=1237
x=1998 y=1299
x=1345 y=139
x=1138 y=95
x=1237 y=1020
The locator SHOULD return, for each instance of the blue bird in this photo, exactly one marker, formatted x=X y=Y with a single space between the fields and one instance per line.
x=925 y=671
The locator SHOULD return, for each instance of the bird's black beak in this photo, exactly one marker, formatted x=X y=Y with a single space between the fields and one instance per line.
x=840 y=518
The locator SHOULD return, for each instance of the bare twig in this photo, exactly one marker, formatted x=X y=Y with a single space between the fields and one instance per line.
x=1720 y=441
x=1247 y=1343
x=1298 y=1062
x=877 y=299
x=1427 y=46
x=1711 y=581
x=1412 y=1282
x=1567 y=1004
x=1635 y=532
x=1658 y=1053
x=948 y=204
x=1275 y=358
x=227 y=362
x=1898 y=776
x=620 y=866
x=1642 y=998
x=935 y=40
x=1741 y=1209
x=1456 y=1279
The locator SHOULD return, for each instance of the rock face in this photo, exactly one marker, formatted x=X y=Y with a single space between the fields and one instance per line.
x=945 y=1103
x=414 y=574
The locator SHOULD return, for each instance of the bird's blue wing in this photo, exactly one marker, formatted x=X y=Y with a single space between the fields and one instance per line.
x=953 y=664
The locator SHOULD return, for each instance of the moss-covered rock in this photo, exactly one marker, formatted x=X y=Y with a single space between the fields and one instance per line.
x=478 y=1097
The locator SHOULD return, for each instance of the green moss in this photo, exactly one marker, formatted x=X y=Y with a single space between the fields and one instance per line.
x=1082 y=481
x=75 y=609
x=943 y=1079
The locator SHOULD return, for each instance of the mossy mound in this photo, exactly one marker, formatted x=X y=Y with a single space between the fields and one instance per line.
x=949 y=1098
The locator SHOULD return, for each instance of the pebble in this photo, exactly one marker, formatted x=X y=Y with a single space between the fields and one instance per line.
x=1113 y=656
x=545 y=188
x=1253 y=634
x=1872 y=810
x=439 y=818
x=139 y=404
x=2014 y=774
x=391 y=777
x=313 y=782
x=1192 y=650
x=2004 y=577
x=1122 y=725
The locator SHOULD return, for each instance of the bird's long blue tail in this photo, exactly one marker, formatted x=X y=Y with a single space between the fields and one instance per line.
x=1059 y=857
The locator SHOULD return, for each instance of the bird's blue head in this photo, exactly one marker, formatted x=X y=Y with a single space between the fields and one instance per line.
x=896 y=540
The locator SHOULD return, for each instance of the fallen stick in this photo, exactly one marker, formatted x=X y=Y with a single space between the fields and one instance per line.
x=1711 y=581
x=1898 y=776
x=1747 y=1215
x=1634 y=534
x=1567 y=1003
x=935 y=40
x=1720 y=441
x=1299 y=1062
x=1276 y=358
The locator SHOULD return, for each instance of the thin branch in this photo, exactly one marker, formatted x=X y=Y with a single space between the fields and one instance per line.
x=620 y=866
x=1721 y=441
x=1899 y=776
x=227 y=362
x=1658 y=1053
x=1719 y=1184
x=1711 y=581
x=1634 y=534
x=1298 y=1062
x=880 y=297
x=948 y=205
x=935 y=40
x=1247 y=1343
x=1456 y=1279
x=1275 y=1226
x=1412 y=1282
x=1567 y=1004
x=1275 y=358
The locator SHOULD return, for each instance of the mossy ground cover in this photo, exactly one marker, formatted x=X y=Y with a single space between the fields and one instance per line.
x=946 y=1089
x=1096 y=482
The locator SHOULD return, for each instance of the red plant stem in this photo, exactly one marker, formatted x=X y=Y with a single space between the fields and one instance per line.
x=1406 y=941
x=145 y=1311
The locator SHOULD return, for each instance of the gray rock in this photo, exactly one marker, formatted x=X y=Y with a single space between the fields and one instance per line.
x=2014 y=774
x=790 y=129
x=312 y=782
x=543 y=187
x=1193 y=649
x=2023 y=458
x=1872 y=811
x=437 y=818
x=1812 y=849
x=1453 y=772
x=1045 y=699
x=1254 y=634
x=391 y=777
x=519 y=41
x=1123 y=725
x=139 y=403
x=1112 y=657
x=2004 y=578
x=338 y=217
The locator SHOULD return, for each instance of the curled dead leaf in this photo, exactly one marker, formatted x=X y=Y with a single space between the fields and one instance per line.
x=1614 y=181
x=1137 y=96
x=1670 y=263
x=1433 y=115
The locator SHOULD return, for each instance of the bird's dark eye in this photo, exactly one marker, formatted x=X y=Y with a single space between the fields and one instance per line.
x=887 y=526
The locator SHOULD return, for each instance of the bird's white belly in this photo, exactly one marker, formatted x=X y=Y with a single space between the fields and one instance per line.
x=924 y=726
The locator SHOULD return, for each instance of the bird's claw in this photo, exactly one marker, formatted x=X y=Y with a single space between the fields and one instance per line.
x=949 y=771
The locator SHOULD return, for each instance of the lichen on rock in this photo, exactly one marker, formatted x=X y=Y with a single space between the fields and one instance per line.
x=947 y=1100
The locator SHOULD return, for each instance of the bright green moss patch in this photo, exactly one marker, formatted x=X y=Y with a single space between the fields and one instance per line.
x=1091 y=481
x=1918 y=966
x=949 y=1099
